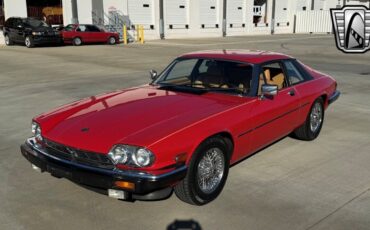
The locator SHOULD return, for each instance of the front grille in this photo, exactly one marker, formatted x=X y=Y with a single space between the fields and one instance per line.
x=77 y=155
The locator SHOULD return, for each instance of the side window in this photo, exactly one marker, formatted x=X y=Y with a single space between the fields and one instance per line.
x=294 y=76
x=81 y=28
x=68 y=28
x=274 y=74
x=90 y=28
x=181 y=70
x=17 y=22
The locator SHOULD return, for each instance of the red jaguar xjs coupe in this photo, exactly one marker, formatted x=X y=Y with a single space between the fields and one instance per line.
x=205 y=112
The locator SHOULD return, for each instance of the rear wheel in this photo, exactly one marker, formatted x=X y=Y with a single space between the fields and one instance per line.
x=8 y=41
x=77 y=41
x=314 y=121
x=28 y=41
x=112 y=41
x=207 y=173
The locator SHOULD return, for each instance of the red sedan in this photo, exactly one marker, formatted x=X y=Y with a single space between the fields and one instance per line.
x=205 y=112
x=84 y=33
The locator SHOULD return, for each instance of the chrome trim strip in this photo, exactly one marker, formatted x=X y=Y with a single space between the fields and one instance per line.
x=334 y=97
x=115 y=172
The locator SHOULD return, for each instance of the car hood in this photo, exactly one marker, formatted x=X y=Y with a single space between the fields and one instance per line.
x=137 y=116
x=42 y=29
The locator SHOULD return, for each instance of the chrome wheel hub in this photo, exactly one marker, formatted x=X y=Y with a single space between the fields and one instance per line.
x=112 y=40
x=210 y=170
x=7 y=40
x=28 y=42
x=78 y=41
x=316 y=117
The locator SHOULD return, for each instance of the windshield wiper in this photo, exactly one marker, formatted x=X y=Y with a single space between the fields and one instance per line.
x=203 y=88
x=233 y=90
x=183 y=88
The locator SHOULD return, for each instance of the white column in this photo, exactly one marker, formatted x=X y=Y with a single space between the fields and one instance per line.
x=15 y=8
x=84 y=9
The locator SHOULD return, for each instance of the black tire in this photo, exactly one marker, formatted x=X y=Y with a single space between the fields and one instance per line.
x=77 y=41
x=188 y=190
x=8 y=41
x=28 y=41
x=112 y=40
x=305 y=132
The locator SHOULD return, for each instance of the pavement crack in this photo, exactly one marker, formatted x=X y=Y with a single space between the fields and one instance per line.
x=336 y=210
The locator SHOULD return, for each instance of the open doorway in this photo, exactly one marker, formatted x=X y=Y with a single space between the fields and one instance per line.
x=2 y=17
x=50 y=11
x=260 y=12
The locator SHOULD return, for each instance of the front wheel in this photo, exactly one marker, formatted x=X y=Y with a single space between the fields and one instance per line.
x=29 y=42
x=8 y=41
x=207 y=173
x=314 y=121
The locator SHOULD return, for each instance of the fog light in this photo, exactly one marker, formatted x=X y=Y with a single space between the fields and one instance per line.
x=116 y=194
x=125 y=185
x=37 y=169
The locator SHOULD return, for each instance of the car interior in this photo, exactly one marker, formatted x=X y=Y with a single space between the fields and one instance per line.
x=273 y=74
x=218 y=74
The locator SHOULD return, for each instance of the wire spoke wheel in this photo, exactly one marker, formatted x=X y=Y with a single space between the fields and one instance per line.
x=210 y=170
x=316 y=117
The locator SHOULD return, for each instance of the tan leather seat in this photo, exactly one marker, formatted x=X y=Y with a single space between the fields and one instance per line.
x=275 y=80
x=278 y=80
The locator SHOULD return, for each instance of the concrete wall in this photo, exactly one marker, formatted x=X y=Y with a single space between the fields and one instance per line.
x=67 y=12
x=15 y=8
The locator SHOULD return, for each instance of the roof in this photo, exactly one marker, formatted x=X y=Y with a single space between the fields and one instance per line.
x=250 y=56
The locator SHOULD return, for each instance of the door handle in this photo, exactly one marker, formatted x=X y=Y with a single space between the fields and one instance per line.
x=291 y=93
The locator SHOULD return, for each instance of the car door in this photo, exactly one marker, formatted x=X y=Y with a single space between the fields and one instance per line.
x=83 y=33
x=69 y=32
x=16 y=30
x=96 y=35
x=276 y=116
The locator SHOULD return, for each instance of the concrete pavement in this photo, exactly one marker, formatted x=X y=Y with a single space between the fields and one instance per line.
x=324 y=184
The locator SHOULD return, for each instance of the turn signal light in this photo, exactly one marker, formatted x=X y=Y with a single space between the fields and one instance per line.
x=125 y=185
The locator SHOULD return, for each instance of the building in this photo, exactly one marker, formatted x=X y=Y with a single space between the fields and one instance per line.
x=175 y=18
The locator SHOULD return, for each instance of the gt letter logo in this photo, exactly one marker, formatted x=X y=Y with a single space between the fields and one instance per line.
x=352 y=28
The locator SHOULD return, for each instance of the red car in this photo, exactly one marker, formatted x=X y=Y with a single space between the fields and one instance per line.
x=205 y=112
x=78 y=34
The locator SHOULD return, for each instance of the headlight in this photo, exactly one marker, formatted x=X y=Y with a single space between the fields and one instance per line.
x=37 y=33
x=131 y=156
x=36 y=131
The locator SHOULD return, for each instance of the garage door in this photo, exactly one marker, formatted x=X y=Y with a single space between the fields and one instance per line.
x=176 y=13
x=236 y=12
x=281 y=15
x=141 y=11
x=208 y=10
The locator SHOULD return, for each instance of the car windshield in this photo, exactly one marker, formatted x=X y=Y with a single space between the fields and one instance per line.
x=35 y=23
x=207 y=75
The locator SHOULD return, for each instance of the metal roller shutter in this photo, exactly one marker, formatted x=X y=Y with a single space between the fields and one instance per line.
x=208 y=10
x=176 y=13
x=236 y=12
x=141 y=11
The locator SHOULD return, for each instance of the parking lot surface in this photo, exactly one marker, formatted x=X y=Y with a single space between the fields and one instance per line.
x=324 y=184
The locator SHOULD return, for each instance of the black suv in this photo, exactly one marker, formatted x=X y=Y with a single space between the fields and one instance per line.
x=30 y=32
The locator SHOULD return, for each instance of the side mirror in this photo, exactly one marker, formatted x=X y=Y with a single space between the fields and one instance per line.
x=269 y=90
x=153 y=74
